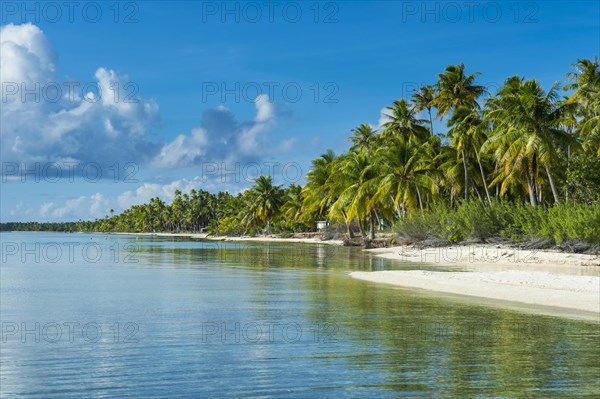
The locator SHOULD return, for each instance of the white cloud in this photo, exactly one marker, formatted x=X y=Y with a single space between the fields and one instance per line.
x=106 y=124
x=166 y=192
x=184 y=150
x=46 y=126
x=221 y=137
x=93 y=206
x=383 y=117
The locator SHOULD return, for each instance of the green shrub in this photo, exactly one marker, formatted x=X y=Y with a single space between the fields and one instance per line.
x=518 y=222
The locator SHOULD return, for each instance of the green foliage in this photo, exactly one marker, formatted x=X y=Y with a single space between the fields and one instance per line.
x=518 y=222
x=583 y=179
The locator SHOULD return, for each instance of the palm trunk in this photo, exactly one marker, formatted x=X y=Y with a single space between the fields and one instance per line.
x=379 y=221
x=478 y=193
x=348 y=223
x=466 y=176
x=430 y=121
x=419 y=196
x=552 y=185
x=532 y=198
x=371 y=225
x=487 y=192
x=360 y=227
x=396 y=207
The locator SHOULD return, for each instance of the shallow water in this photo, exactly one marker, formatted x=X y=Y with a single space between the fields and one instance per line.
x=122 y=316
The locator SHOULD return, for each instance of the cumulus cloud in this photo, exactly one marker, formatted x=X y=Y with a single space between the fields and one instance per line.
x=220 y=137
x=109 y=122
x=95 y=206
x=166 y=192
x=44 y=119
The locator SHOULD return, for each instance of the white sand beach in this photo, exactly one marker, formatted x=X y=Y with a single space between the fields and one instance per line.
x=487 y=256
x=531 y=277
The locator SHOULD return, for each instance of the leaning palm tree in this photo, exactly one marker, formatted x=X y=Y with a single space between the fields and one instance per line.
x=405 y=175
x=526 y=132
x=291 y=209
x=316 y=193
x=455 y=89
x=403 y=122
x=353 y=186
x=266 y=200
x=423 y=98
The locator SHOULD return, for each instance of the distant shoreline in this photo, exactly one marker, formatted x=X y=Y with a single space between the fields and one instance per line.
x=206 y=236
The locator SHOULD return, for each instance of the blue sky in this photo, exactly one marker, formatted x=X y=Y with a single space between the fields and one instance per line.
x=304 y=74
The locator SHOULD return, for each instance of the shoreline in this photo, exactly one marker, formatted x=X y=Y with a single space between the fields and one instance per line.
x=533 y=291
x=542 y=281
x=538 y=281
x=205 y=236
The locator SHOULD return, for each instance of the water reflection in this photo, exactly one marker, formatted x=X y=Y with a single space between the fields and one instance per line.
x=249 y=320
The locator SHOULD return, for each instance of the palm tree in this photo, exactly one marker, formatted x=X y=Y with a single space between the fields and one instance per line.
x=266 y=199
x=585 y=80
x=291 y=209
x=467 y=135
x=423 y=98
x=364 y=138
x=526 y=131
x=455 y=89
x=316 y=193
x=405 y=174
x=353 y=188
x=403 y=122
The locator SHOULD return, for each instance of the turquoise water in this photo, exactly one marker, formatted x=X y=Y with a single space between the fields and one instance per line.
x=122 y=316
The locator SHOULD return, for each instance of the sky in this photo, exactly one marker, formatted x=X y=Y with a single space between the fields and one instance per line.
x=108 y=104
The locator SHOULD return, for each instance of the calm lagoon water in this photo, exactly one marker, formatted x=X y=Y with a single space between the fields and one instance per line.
x=123 y=316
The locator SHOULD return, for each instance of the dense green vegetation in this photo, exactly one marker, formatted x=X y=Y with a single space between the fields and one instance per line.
x=522 y=164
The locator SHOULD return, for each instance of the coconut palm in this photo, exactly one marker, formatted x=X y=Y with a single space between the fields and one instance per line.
x=364 y=138
x=423 y=98
x=266 y=199
x=526 y=132
x=467 y=134
x=353 y=188
x=403 y=122
x=456 y=89
x=291 y=209
x=585 y=80
x=316 y=193
x=405 y=174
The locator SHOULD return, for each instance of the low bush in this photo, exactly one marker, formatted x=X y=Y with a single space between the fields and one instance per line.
x=521 y=223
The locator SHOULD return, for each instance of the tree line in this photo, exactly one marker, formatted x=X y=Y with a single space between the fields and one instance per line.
x=521 y=145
